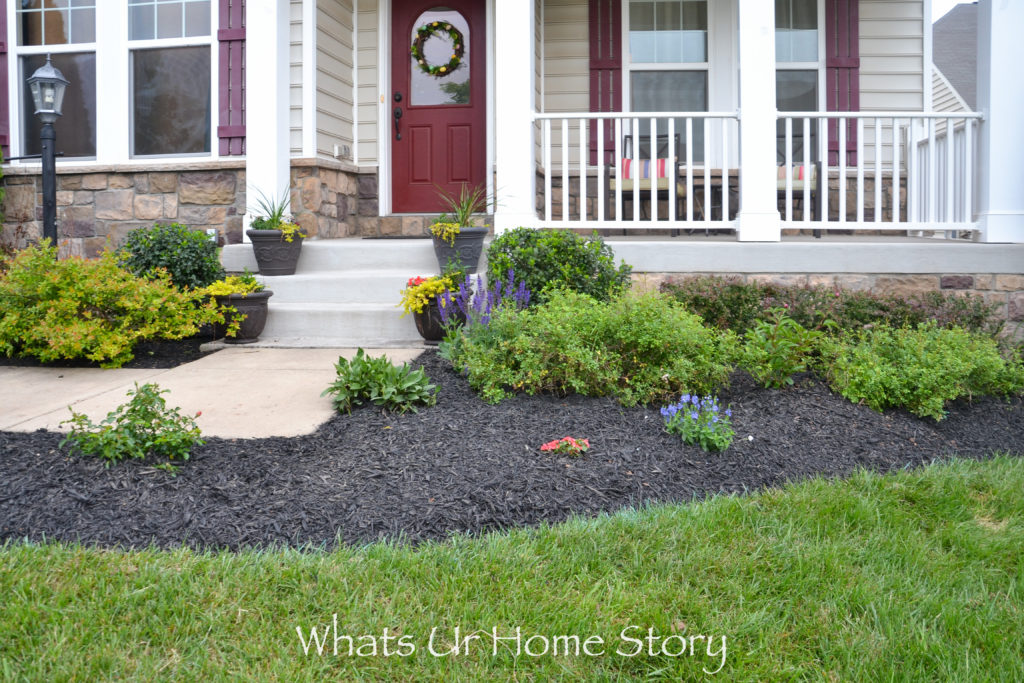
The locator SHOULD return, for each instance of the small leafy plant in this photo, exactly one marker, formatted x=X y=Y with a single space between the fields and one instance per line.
x=376 y=380
x=273 y=215
x=460 y=211
x=700 y=422
x=919 y=369
x=776 y=349
x=567 y=445
x=243 y=284
x=144 y=426
x=188 y=256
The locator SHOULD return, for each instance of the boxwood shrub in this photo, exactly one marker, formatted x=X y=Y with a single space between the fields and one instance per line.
x=553 y=259
x=187 y=255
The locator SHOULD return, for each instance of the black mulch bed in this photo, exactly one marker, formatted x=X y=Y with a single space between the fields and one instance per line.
x=159 y=354
x=464 y=466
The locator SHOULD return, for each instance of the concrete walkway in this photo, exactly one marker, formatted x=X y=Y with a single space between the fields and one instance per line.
x=241 y=392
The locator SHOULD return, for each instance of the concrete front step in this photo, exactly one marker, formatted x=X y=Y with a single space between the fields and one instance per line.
x=340 y=324
x=355 y=254
x=343 y=287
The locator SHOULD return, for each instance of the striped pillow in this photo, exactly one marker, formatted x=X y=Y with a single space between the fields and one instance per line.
x=643 y=169
x=800 y=172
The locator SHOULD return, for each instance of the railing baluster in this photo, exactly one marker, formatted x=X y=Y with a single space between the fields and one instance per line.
x=895 y=172
x=933 y=172
x=842 y=122
x=707 y=173
x=860 y=170
x=654 y=169
x=725 y=170
x=636 y=169
x=689 y=169
x=599 y=123
x=670 y=159
x=788 y=172
x=968 y=171
x=807 y=208
x=565 y=169
x=618 y=170
x=583 y=170
x=913 y=173
x=548 y=171
x=823 y=155
x=950 y=169
x=878 y=170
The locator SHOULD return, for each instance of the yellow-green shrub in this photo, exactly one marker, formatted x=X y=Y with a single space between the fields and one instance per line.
x=91 y=308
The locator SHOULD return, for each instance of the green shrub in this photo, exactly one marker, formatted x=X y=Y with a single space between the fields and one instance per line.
x=918 y=369
x=774 y=350
x=636 y=348
x=94 y=309
x=189 y=256
x=141 y=427
x=729 y=303
x=376 y=380
x=553 y=259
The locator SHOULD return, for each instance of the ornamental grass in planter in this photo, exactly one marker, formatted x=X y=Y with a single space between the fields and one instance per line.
x=247 y=304
x=276 y=241
x=457 y=243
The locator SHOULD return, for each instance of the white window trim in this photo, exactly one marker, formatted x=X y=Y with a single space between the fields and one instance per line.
x=113 y=79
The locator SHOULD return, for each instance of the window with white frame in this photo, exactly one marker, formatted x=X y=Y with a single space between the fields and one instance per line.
x=66 y=30
x=171 y=102
x=799 y=69
x=667 y=65
x=157 y=58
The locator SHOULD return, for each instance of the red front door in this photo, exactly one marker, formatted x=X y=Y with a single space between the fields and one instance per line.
x=438 y=120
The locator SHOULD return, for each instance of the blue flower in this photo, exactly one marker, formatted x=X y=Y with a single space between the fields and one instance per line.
x=695 y=416
x=728 y=412
x=685 y=398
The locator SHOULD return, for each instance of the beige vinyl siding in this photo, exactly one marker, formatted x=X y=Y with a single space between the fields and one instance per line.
x=367 y=76
x=891 y=55
x=295 y=78
x=334 y=82
x=566 y=56
x=944 y=96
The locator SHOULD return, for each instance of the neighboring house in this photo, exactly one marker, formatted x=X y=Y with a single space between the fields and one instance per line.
x=955 y=59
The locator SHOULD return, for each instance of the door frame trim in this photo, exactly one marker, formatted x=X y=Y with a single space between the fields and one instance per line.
x=384 y=13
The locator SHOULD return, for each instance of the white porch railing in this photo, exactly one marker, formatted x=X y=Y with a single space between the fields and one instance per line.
x=887 y=170
x=589 y=152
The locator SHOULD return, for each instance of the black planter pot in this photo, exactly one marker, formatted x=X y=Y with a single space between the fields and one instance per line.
x=466 y=250
x=428 y=323
x=274 y=255
x=254 y=306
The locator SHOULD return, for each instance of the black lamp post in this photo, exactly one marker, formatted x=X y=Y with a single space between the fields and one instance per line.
x=47 y=85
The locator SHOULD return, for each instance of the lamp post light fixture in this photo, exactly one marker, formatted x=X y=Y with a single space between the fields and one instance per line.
x=47 y=85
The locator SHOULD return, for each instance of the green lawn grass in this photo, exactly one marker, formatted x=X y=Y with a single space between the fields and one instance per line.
x=913 y=576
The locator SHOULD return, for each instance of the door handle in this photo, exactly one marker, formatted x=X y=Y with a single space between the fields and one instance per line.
x=398 y=116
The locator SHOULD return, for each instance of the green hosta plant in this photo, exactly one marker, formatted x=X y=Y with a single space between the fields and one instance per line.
x=144 y=426
x=776 y=349
x=376 y=380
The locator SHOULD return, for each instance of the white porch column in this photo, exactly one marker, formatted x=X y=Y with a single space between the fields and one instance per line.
x=759 y=210
x=515 y=187
x=267 y=152
x=1001 y=142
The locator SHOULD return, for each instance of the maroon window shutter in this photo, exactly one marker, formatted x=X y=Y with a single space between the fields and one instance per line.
x=842 y=72
x=231 y=41
x=605 y=18
x=5 y=120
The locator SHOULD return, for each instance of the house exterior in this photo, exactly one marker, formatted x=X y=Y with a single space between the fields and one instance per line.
x=179 y=109
x=955 y=59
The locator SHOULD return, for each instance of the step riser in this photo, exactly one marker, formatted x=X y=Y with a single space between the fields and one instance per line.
x=416 y=256
x=356 y=327
x=350 y=289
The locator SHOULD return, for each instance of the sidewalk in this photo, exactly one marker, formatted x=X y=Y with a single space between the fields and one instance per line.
x=241 y=392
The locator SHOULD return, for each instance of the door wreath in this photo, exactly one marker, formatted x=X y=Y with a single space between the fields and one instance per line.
x=458 y=48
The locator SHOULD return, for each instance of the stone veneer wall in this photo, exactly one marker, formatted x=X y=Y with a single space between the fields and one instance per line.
x=99 y=206
x=1005 y=290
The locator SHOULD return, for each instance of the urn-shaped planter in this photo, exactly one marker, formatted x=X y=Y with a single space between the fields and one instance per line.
x=429 y=325
x=464 y=252
x=254 y=307
x=274 y=254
